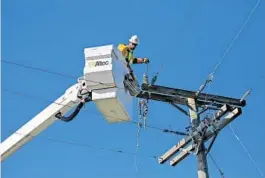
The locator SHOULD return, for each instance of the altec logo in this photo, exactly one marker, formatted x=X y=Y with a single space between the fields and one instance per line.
x=101 y=63
x=98 y=63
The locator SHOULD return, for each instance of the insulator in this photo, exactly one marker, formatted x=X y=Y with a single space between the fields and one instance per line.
x=145 y=78
x=153 y=80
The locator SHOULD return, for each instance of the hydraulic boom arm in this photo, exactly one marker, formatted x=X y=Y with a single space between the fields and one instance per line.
x=40 y=122
x=102 y=82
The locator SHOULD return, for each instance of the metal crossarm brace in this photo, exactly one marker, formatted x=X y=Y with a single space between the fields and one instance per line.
x=185 y=141
x=180 y=109
x=209 y=134
x=211 y=144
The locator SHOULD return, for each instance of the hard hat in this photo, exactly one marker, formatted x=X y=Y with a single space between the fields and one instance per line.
x=134 y=39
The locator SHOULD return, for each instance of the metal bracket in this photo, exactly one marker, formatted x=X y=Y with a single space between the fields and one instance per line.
x=211 y=144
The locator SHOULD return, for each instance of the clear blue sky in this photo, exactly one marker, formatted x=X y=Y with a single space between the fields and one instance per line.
x=188 y=37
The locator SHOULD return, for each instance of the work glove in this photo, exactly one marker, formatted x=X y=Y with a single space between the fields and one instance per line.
x=146 y=60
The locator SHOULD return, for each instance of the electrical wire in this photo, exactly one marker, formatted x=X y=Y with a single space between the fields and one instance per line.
x=121 y=119
x=236 y=37
x=36 y=98
x=246 y=150
x=54 y=73
x=210 y=77
x=38 y=69
x=216 y=165
x=89 y=146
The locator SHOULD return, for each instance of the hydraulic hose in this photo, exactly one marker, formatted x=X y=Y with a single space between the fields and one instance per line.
x=73 y=115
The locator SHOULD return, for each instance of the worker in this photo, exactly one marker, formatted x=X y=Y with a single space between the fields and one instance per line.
x=127 y=51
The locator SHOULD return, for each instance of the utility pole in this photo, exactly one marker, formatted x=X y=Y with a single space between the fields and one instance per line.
x=201 y=156
x=200 y=130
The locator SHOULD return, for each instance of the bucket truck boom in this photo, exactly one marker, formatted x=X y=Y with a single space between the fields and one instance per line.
x=102 y=83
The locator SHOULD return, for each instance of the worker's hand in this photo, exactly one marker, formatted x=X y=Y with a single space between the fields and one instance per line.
x=146 y=60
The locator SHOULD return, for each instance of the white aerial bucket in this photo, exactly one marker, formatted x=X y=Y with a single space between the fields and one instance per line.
x=104 y=74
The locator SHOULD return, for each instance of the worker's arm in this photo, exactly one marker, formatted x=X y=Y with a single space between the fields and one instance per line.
x=134 y=60
x=140 y=60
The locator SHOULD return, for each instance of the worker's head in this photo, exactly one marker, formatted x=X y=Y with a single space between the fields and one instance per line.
x=133 y=42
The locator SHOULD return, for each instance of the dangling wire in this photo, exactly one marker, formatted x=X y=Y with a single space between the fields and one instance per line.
x=144 y=102
x=145 y=111
x=140 y=113
x=142 y=116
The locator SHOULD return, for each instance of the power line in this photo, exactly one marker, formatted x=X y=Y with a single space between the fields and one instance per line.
x=236 y=37
x=35 y=98
x=38 y=69
x=246 y=150
x=91 y=147
x=52 y=72
x=216 y=165
x=121 y=119
x=210 y=77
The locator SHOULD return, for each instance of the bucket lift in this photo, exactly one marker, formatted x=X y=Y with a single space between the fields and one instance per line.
x=106 y=65
x=103 y=82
